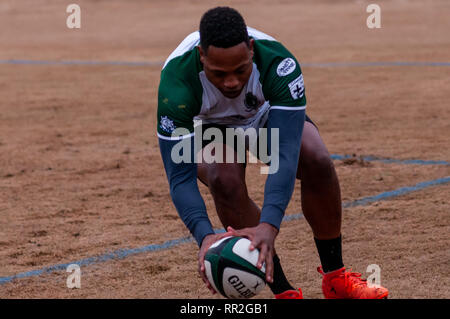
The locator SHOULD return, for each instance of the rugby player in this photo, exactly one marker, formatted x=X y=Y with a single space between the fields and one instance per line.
x=228 y=75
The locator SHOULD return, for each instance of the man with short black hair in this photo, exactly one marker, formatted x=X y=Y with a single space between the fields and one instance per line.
x=227 y=76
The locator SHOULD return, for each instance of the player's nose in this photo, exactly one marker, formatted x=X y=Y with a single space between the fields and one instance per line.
x=231 y=82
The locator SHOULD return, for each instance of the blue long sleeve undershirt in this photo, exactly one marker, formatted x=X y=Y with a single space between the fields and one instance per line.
x=184 y=191
x=280 y=185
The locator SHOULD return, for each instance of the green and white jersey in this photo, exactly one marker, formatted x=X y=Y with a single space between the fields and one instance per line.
x=186 y=95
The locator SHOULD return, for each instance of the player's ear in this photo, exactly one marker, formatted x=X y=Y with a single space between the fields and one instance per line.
x=202 y=54
x=250 y=46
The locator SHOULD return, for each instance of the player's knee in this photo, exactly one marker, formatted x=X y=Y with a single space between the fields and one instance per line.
x=316 y=166
x=227 y=187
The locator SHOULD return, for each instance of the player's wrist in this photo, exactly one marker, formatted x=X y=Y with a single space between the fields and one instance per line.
x=202 y=229
x=269 y=227
x=205 y=238
x=272 y=215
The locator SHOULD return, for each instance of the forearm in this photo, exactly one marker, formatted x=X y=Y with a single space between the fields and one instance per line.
x=280 y=185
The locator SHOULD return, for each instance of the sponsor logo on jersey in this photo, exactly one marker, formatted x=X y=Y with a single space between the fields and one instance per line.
x=166 y=124
x=251 y=102
x=297 y=88
x=287 y=66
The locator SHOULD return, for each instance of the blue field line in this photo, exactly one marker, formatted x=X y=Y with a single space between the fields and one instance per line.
x=398 y=192
x=383 y=196
x=160 y=63
x=117 y=254
x=389 y=160
x=123 y=253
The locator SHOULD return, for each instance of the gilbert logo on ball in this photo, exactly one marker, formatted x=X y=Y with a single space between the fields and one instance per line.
x=231 y=268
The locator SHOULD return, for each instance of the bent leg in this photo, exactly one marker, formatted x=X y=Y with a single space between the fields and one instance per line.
x=226 y=182
x=320 y=191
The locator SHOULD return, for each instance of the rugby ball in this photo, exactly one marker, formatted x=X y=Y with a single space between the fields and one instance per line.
x=231 y=269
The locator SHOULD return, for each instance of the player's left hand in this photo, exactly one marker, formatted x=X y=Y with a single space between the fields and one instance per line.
x=206 y=243
x=262 y=237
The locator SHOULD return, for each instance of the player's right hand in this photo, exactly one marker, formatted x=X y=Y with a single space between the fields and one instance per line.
x=206 y=243
x=262 y=237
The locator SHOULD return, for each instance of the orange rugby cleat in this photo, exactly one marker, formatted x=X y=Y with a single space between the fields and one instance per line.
x=290 y=294
x=341 y=284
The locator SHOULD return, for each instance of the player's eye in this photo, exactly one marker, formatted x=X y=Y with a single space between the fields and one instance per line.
x=219 y=74
x=241 y=70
